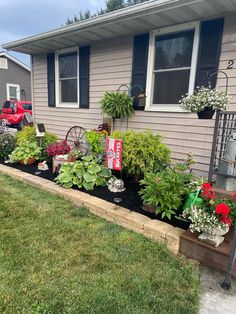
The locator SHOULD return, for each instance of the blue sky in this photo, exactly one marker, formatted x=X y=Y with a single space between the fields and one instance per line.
x=22 y=18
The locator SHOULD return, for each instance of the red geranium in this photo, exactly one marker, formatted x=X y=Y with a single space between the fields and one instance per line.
x=234 y=195
x=207 y=191
x=206 y=186
x=222 y=209
x=226 y=220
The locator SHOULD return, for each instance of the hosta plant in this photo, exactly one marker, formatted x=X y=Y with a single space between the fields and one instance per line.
x=85 y=173
x=203 y=98
x=26 y=151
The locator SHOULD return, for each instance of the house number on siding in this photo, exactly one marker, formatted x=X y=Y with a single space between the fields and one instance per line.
x=230 y=64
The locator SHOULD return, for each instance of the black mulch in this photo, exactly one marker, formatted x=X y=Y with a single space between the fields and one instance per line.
x=129 y=198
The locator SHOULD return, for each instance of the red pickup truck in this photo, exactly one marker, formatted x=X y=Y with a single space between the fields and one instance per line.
x=13 y=112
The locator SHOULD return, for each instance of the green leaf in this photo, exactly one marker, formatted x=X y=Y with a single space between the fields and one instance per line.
x=66 y=167
x=94 y=168
x=106 y=173
x=65 y=178
x=89 y=186
x=89 y=177
x=68 y=185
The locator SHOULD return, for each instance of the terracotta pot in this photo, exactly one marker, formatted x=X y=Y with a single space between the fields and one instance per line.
x=207 y=113
x=30 y=161
x=149 y=208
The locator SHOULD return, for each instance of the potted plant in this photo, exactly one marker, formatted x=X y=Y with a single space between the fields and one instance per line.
x=117 y=105
x=26 y=153
x=59 y=152
x=166 y=190
x=205 y=101
x=212 y=218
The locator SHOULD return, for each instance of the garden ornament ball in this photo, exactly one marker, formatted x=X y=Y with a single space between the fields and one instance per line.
x=116 y=185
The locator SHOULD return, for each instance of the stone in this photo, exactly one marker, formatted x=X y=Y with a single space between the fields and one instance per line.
x=158 y=228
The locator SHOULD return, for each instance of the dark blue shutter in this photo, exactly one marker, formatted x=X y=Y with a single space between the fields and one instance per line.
x=51 y=79
x=209 y=52
x=84 y=59
x=139 y=68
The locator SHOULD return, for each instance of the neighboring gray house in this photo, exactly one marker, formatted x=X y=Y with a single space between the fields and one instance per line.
x=74 y=65
x=15 y=79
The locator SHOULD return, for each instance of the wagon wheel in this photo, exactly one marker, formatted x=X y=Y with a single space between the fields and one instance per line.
x=75 y=137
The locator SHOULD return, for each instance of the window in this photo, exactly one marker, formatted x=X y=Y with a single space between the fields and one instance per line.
x=67 y=77
x=27 y=106
x=13 y=91
x=171 y=66
x=3 y=63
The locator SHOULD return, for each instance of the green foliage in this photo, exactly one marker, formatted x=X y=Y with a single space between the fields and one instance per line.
x=85 y=173
x=142 y=152
x=29 y=134
x=25 y=151
x=7 y=145
x=110 y=6
x=165 y=190
x=117 y=105
x=95 y=140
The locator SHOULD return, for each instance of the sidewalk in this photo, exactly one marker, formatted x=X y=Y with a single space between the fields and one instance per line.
x=215 y=300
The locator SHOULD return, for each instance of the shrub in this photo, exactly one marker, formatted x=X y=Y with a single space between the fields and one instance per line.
x=142 y=152
x=165 y=190
x=117 y=105
x=85 y=173
x=7 y=145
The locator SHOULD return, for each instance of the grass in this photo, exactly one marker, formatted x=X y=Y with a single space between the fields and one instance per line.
x=57 y=258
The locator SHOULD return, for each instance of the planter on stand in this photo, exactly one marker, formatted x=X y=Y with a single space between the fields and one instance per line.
x=59 y=160
x=213 y=236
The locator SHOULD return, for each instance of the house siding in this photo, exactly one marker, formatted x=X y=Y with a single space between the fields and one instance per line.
x=111 y=66
x=15 y=74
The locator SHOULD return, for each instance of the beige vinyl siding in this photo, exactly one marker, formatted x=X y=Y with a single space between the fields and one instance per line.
x=111 y=66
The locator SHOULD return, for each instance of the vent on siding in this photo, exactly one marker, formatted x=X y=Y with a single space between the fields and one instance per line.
x=3 y=63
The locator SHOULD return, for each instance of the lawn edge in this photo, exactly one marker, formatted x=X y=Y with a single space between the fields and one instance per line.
x=153 y=229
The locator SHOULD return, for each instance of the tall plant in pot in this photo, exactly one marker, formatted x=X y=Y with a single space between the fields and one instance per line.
x=205 y=101
x=59 y=152
x=117 y=105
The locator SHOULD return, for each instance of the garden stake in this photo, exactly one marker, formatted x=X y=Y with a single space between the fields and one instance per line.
x=226 y=284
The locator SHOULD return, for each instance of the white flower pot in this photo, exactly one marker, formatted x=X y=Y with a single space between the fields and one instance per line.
x=213 y=236
x=58 y=160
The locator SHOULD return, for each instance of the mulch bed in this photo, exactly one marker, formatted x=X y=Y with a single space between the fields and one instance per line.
x=129 y=198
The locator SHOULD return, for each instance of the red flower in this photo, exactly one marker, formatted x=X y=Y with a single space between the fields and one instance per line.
x=208 y=194
x=222 y=209
x=226 y=220
x=234 y=195
x=206 y=186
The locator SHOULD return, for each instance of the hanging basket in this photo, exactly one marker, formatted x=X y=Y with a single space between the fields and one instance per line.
x=207 y=113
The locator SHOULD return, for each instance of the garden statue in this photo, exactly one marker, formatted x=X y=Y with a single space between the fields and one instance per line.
x=116 y=185
x=43 y=166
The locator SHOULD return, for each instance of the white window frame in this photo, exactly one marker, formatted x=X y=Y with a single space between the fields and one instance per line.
x=57 y=85
x=151 y=59
x=8 y=85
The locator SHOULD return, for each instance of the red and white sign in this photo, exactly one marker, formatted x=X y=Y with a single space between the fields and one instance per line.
x=114 y=154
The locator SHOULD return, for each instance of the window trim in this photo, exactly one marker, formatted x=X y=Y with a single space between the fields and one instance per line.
x=17 y=90
x=57 y=89
x=151 y=55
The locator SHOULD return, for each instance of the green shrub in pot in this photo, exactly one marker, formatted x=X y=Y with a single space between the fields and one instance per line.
x=96 y=141
x=142 y=152
x=117 y=105
x=7 y=145
x=85 y=173
x=25 y=152
x=166 y=189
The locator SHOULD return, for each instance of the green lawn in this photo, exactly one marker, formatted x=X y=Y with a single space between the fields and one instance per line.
x=57 y=258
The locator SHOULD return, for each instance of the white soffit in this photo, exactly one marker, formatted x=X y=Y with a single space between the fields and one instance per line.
x=129 y=21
